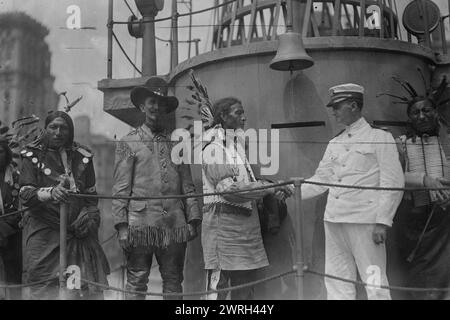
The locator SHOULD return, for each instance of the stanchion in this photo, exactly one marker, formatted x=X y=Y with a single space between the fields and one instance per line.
x=64 y=208
x=299 y=252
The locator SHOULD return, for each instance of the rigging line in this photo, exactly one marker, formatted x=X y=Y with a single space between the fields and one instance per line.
x=135 y=55
x=126 y=55
x=129 y=7
x=179 y=41
x=178 y=14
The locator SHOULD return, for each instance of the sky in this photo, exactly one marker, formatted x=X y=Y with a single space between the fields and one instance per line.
x=79 y=56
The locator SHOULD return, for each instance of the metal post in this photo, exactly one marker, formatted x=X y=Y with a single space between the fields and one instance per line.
x=381 y=5
x=110 y=40
x=174 y=36
x=149 y=47
x=448 y=9
x=190 y=29
x=64 y=208
x=297 y=15
x=443 y=39
x=307 y=18
x=336 y=18
x=391 y=19
x=149 y=10
x=362 y=18
x=425 y=22
x=196 y=46
x=289 y=16
x=299 y=243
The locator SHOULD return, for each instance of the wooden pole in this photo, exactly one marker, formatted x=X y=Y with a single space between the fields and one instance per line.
x=299 y=243
x=64 y=208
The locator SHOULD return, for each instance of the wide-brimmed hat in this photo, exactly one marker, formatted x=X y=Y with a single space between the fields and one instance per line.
x=156 y=87
x=344 y=92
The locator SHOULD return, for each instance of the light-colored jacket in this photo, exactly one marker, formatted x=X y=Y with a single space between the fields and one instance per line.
x=143 y=168
x=231 y=232
x=359 y=156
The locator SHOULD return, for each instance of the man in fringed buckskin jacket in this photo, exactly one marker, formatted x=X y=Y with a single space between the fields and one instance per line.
x=143 y=168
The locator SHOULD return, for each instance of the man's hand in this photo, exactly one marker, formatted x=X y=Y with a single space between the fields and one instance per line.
x=379 y=233
x=60 y=194
x=284 y=192
x=123 y=238
x=192 y=230
x=443 y=196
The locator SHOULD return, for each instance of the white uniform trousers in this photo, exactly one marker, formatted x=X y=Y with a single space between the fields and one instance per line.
x=349 y=247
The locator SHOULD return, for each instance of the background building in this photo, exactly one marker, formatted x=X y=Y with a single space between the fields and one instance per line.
x=26 y=83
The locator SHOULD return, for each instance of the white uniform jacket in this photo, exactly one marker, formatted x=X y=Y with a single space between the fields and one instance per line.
x=359 y=156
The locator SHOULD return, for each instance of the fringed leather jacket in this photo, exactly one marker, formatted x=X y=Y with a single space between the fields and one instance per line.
x=143 y=168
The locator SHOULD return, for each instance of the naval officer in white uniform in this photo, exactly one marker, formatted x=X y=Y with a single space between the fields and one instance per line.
x=356 y=220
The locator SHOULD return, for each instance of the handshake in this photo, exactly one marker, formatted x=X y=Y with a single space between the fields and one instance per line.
x=282 y=192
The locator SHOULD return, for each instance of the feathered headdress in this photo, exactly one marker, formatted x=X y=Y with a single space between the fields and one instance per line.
x=69 y=105
x=25 y=130
x=434 y=96
x=201 y=99
x=201 y=102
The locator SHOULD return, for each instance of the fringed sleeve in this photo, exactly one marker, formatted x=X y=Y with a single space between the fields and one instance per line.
x=123 y=177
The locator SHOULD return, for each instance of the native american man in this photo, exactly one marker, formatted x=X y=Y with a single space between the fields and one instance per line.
x=422 y=223
x=52 y=167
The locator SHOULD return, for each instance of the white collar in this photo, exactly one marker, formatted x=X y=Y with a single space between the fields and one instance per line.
x=357 y=125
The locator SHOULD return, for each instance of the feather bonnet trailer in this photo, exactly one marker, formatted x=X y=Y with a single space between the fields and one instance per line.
x=435 y=96
x=200 y=99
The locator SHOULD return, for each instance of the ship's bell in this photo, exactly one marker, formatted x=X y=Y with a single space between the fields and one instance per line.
x=291 y=54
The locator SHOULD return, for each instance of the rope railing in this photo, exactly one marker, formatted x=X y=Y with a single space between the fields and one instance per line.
x=347 y=186
x=109 y=238
x=25 y=285
x=199 y=293
x=232 y=288
x=18 y=212
x=393 y=288
x=282 y=141
x=253 y=283
x=180 y=196
x=290 y=182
